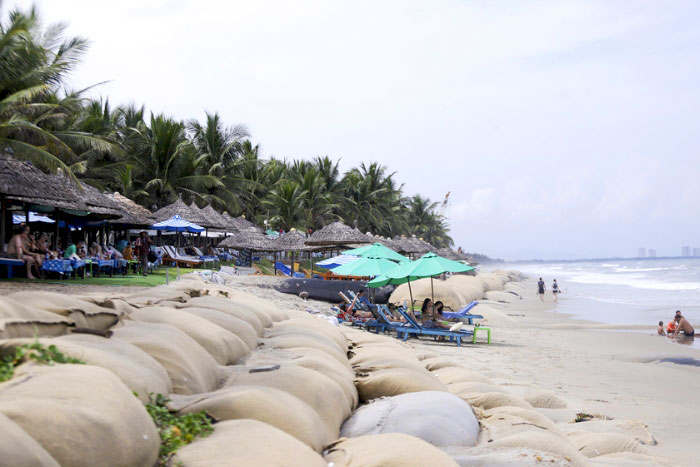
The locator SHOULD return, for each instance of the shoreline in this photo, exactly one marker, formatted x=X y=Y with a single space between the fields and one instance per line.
x=613 y=372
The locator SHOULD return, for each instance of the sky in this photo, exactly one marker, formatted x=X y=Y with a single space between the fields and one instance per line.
x=562 y=129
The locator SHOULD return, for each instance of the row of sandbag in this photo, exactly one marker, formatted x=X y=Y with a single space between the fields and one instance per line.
x=509 y=424
x=83 y=414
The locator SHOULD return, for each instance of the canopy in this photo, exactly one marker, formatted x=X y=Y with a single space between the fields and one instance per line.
x=376 y=250
x=177 y=224
x=33 y=217
x=336 y=261
x=368 y=266
x=336 y=234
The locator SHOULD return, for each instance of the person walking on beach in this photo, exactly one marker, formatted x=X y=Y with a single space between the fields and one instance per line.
x=555 y=289
x=142 y=248
x=683 y=325
x=540 y=289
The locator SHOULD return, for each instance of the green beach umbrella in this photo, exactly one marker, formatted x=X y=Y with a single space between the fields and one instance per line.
x=376 y=250
x=367 y=266
x=428 y=265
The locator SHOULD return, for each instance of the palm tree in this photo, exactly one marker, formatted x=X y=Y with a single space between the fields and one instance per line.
x=286 y=202
x=219 y=144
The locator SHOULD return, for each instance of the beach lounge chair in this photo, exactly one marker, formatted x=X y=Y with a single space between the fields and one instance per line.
x=463 y=314
x=416 y=329
x=284 y=269
x=172 y=257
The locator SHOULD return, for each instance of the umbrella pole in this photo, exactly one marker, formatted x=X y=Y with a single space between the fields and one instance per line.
x=432 y=291
x=291 y=273
x=311 y=262
x=410 y=293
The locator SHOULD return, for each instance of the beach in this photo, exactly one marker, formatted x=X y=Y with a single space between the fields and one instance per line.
x=542 y=371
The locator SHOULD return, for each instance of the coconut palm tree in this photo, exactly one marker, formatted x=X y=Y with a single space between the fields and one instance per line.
x=220 y=145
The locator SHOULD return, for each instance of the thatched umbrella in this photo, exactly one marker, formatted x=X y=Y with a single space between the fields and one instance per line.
x=132 y=213
x=337 y=234
x=405 y=246
x=294 y=241
x=178 y=208
x=423 y=245
x=215 y=217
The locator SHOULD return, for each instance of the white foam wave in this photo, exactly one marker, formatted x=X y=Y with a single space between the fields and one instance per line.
x=636 y=281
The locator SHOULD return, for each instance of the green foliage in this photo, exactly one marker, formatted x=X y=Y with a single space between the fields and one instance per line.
x=37 y=352
x=154 y=160
x=176 y=430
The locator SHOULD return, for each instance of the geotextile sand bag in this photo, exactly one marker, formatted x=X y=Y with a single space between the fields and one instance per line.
x=545 y=400
x=226 y=347
x=464 y=388
x=298 y=331
x=489 y=400
x=316 y=325
x=227 y=307
x=292 y=342
x=384 y=450
x=496 y=417
x=154 y=295
x=320 y=392
x=439 y=418
x=247 y=443
x=268 y=405
x=250 y=301
x=83 y=313
x=542 y=441
x=190 y=368
x=18 y=449
x=237 y=326
x=432 y=364
x=449 y=375
x=18 y=320
x=392 y=382
x=379 y=362
x=600 y=444
x=140 y=372
x=360 y=355
x=82 y=415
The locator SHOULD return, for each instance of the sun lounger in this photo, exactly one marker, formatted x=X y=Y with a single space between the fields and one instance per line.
x=416 y=329
x=284 y=269
x=463 y=314
x=172 y=256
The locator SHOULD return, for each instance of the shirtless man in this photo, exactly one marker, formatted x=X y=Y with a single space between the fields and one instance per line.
x=17 y=248
x=683 y=325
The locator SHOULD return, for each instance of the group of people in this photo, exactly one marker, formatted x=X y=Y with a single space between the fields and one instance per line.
x=541 y=287
x=34 y=250
x=677 y=325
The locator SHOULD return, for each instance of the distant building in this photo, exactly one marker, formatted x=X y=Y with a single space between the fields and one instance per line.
x=685 y=251
x=652 y=253
x=642 y=253
x=696 y=252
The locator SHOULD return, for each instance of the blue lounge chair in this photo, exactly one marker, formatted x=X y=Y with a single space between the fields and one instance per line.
x=287 y=271
x=463 y=313
x=416 y=329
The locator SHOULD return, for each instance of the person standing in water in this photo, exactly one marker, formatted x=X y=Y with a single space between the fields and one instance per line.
x=540 y=289
x=555 y=289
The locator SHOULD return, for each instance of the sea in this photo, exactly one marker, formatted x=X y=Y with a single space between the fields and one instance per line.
x=625 y=291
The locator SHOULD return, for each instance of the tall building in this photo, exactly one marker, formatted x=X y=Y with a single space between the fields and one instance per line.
x=696 y=252
x=685 y=251
x=652 y=253
x=642 y=252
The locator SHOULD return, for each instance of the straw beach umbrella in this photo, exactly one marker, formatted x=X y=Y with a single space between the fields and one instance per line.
x=215 y=218
x=250 y=239
x=337 y=234
x=132 y=213
x=293 y=241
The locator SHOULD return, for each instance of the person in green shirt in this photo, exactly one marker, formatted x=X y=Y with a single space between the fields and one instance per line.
x=72 y=251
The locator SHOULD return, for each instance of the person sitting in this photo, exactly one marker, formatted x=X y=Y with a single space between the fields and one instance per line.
x=128 y=252
x=30 y=247
x=660 y=330
x=683 y=325
x=428 y=316
x=95 y=251
x=364 y=302
x=356 y=307
x=16 y=249
x=81 y=250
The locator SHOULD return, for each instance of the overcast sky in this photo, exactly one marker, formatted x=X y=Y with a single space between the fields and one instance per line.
x=563 y=129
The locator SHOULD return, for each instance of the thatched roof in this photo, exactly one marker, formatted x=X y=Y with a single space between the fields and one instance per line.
x=22 y=181
x=209 y=217
x=336 y=234
x=405 y=245
x=423 y=245
x=291 y=241
x=133 y=214
x=250 y=239
x=181 y=209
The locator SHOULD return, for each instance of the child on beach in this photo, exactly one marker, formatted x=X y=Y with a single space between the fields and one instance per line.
x=555 y=289
x=660 y=329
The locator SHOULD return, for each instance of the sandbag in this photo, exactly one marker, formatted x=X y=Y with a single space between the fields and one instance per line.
x=319 y=325
x=320 y=392
x=449 y=375
x=379 y=362
x=190 y=368
x=18 y=320
x=18 y=449
x=82 y=415
x=359 y=356
x=83 y=313
x=269 y=405
x=228 y=308
x=388 y=449
x=298 y=332
x=496 y=417
x=140 y=372
x=432 y=364
x=542 y=441
x=599 y=444
x=155 y=295
x=384 y=383
x=464 y=388
x=232 y=324
x=226 y=347
x=292 y=342
x=439 y=418
x=489 y=400
x=247 y=443
x=545 y=400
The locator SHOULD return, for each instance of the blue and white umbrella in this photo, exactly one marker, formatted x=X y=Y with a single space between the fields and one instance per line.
x=177 y=224
x=336 y=261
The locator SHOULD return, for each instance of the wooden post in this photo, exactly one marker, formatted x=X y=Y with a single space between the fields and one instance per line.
x=311 y=262
x=26 y=213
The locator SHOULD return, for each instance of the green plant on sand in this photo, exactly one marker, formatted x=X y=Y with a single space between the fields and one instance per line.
x=176 y=430
x=35 y=351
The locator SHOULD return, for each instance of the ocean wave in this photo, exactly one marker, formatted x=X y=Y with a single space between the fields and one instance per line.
x=637 y=281
x=626 y=269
